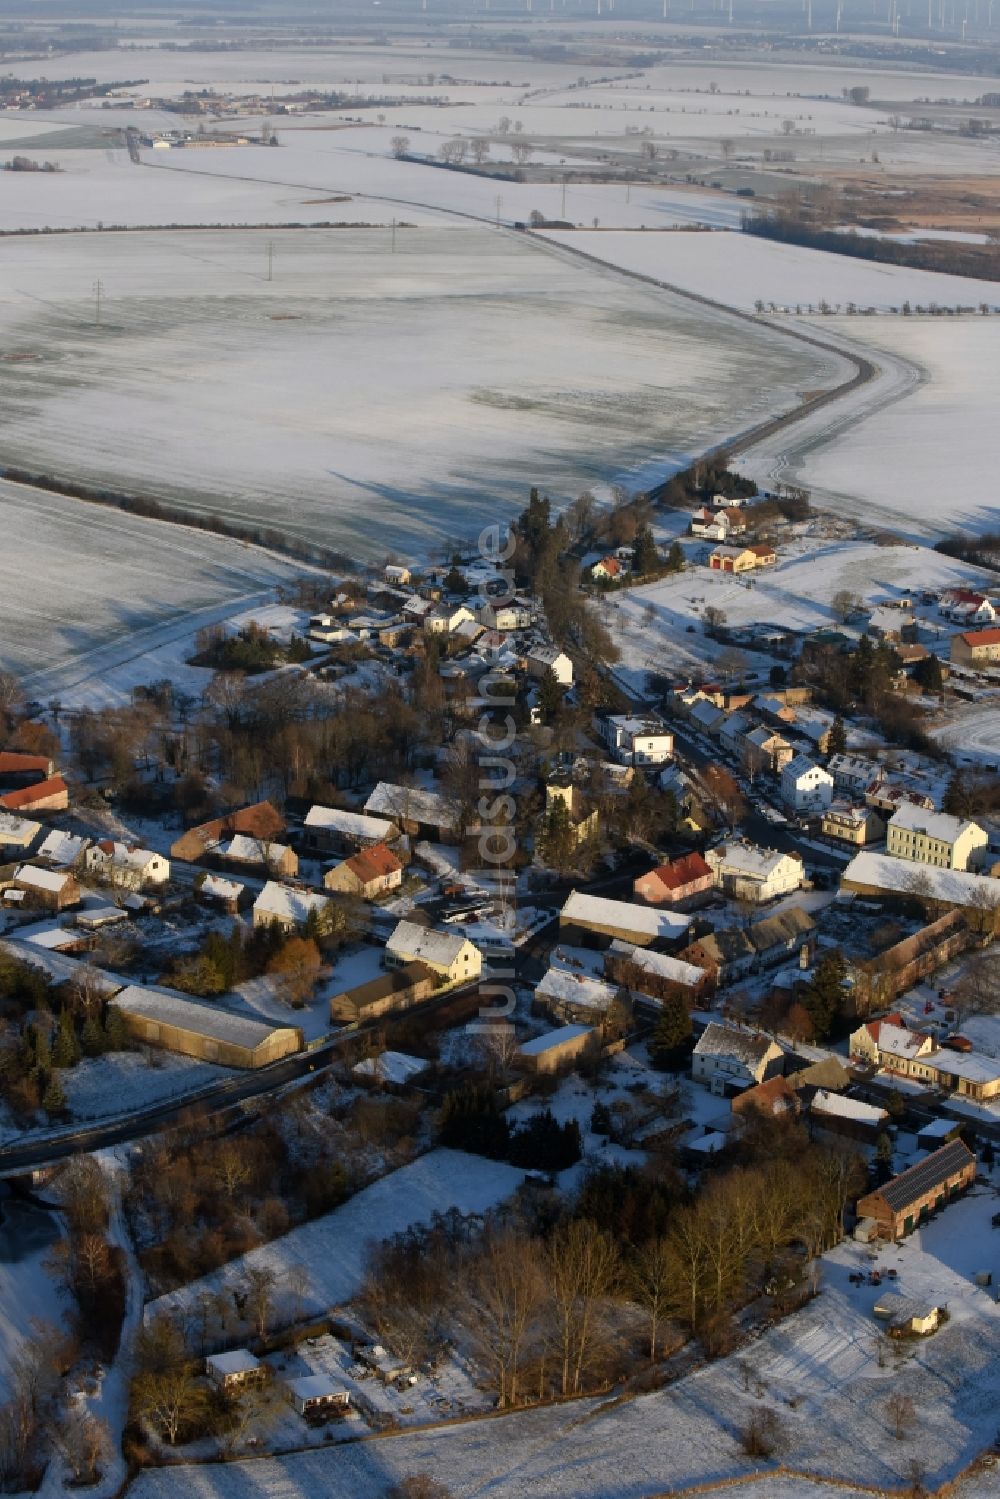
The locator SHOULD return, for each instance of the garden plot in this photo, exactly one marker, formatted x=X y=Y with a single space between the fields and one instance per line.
x=364 y=394
x=818 y=1370
x=84 y=589
x=742 y=271
x=333 y=1249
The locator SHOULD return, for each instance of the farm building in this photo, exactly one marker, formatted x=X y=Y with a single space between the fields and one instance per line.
x=331 y=830
x=260 y=821
x=453 y=957
x=656 y=974
x=574 y=998
x=50 y=795
x=559 y=1048
x=776 y=1099
x=892 y=880
x=388 y=993
x=17 y=768
x=55 y=889
x=834 y=1114
x=976 y=648
x=594 y=916
x=204 y=1031
x=902 y=1204
x=424 y=814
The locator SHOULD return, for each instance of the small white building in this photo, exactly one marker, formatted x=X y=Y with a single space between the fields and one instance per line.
x=316 y=1395
x=126 y=864
x=550 y=658
x=17 y=834
x=454 y=957
x=805 y=786
x=637 y=741
x=444 y=619
x=234 y=1370
x=397 y=574
x=505 y=615
x=63 y=850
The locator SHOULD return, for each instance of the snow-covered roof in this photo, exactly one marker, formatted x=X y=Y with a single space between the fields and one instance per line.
x=898 y=1041
x=725 y=1041
x=350 y=824
x=425 y=945
x=847 y=1108
x=800 y=766
x=660 y=965
x=54 y=939
x=286 y=904
x=14 y=829
x=553 y=1039
x=62 y=848
x=391 y=1067
x=125 y=855
x=902 y=877
x=575 y=989
x=216 y=1024
x=236 y=1361
x=52 y=880
x=413 y=805
x=972 y=1065
x=217 y=888
x=625 y=915
x=939 y=825
x=314 y=1387
x=746 y=859
x=246 y=850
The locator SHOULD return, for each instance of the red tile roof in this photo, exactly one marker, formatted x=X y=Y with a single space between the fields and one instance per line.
x=683 y=871
x=28 y=796
x=373 y=863
x=12 y=762
x=981 y=637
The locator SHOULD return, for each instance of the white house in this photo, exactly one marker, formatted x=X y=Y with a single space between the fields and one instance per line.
x=505 y=614
x=453 y=956
x=853 y=772
x=316 y=1395
x=745 y=872
x=805 y=786
x=290 y=908
x=397 y=574
x=444 y=619
x=728 y=1060
x=126 y=864
x=637 y=741
x=550 y=658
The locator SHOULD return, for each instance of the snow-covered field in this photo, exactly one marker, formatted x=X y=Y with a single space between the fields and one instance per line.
x=818 y=1370
x=919 y=462
x=364 y=395
x=740 y=270
x=27 y=1292
x=84 y=589
x=333 y=1249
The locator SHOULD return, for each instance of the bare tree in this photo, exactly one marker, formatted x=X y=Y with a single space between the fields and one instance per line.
x=521 y=151
x=170 y=1401
x=480 y=148
x=650 y=1281
x=85 y=1443
x=232 y=1167
x=901 y=1413
x=581 y=1265
x=260 y=1283
x=509 y=1290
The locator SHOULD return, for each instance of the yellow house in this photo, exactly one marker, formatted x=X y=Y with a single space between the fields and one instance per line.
x=857 y=825
x=976 y=648
x=934 y=838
